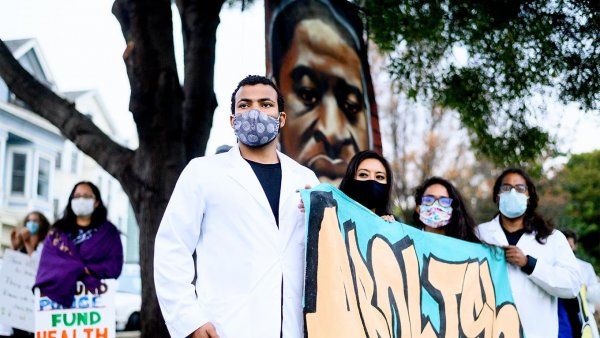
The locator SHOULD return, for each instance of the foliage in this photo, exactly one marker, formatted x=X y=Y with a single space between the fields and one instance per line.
x=515 y=50
x=580 y=178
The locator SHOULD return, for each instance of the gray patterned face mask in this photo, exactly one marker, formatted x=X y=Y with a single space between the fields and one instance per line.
x=255 y=128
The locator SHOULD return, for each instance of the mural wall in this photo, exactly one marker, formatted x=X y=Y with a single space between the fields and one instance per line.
x=317 y=55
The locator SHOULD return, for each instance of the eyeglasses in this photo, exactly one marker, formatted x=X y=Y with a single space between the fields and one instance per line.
x=522 y=188
x=443 y=201
x=83 y=196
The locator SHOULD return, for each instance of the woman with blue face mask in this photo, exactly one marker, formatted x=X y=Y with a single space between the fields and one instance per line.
x=28 y=237
x=541 y=266
x=441 y=209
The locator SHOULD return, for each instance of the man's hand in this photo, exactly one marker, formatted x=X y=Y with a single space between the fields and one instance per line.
x=301 y=204
x=205 y=331
x=515 y=256
x=388 y=218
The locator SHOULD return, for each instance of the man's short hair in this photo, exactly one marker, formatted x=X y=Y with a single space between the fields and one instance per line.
x=252 y=80
x=570 y=234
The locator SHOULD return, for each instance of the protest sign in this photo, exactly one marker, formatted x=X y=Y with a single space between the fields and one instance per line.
x=366 y=277
x=16 y=298
x=92 y=315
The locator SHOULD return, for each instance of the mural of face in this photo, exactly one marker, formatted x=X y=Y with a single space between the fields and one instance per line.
x=322 y=83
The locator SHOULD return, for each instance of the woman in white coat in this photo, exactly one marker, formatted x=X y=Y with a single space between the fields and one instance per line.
x=542 y=266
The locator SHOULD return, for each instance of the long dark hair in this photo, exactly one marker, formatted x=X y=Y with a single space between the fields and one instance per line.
x=532 y=221
x=353 y=168
x=68 y=222
x=461 y=223
x=43 y=223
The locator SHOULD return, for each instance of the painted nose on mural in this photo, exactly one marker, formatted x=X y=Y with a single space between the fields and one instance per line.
x=332 y=134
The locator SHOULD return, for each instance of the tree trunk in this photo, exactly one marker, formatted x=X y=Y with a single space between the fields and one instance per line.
x=156 y=100
x=171 y=131
x=199 y=21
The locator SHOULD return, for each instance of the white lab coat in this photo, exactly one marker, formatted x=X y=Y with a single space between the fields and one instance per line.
x=244 y=261
x=556 y=275
x=589 y=278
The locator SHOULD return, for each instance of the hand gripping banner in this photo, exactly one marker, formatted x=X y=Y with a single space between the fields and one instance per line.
x=366 y=277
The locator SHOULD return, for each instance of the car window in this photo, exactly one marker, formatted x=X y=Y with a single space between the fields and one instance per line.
x=130 y=284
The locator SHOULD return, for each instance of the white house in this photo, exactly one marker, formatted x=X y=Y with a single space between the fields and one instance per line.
x=39 y=167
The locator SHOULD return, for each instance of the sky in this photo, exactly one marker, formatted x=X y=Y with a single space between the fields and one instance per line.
x=83 y=45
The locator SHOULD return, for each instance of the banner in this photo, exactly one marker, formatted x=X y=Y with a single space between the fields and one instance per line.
x=91 y=316
x=316 y=53
x=16 y=298
x=366 y=277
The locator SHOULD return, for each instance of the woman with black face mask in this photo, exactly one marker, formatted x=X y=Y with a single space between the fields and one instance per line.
x=368 y=180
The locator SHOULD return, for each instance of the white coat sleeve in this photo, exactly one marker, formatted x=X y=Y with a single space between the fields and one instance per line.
x=561 y=279
x=175 y=243
x=593 y=286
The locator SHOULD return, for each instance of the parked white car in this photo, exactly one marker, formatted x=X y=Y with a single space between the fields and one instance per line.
x=129 y=298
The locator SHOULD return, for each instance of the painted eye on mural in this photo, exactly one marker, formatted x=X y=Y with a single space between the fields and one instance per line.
x=308 y=95
x=350 y=105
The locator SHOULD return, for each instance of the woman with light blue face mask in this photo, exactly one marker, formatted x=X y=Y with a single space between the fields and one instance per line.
x=541 y=266
x=27 y=238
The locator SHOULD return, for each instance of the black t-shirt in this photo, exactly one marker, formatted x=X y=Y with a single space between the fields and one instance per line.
x=269 y=176
x=513 y=238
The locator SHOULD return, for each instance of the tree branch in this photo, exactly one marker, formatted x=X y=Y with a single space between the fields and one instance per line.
x=78 y=128
x=199 y=19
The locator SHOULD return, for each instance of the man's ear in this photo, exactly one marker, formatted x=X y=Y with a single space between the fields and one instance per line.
x=282 y=118
x=231 y=120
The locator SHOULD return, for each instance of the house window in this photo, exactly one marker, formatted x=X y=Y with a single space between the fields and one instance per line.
x=3 y=91
x=43 y=182
x=58 y=161
x=18 y=173
x=56 y=211
x=74 y=160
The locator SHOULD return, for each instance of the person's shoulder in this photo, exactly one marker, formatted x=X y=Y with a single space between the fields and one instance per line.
x=207 y=160
x=206 y=164
x=489 y=224
x=110 y=226
x=557 y=235
x=484 y=230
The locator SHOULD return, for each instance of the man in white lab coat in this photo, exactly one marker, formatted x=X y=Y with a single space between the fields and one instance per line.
x=590 y=280
x=239 y=212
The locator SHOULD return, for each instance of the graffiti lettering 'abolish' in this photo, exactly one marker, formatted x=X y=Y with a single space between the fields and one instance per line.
x=382 y=295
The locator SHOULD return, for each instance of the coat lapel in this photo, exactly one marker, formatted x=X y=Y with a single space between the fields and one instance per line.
x=289 y=181
x=497 y=233
x=242 y=173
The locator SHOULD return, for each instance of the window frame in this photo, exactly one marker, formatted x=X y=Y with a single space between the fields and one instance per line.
x=10 y=151
x=36 y=173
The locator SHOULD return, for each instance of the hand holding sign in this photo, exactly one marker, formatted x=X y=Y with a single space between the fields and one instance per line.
x=515 y=256
x=206 y=331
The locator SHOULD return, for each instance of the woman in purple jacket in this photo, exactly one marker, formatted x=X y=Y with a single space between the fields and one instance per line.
x=82 y=245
